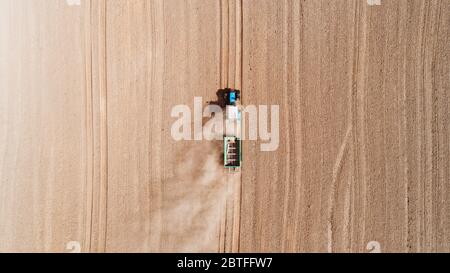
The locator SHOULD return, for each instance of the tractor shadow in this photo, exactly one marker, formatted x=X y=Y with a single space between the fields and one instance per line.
x=221 y=98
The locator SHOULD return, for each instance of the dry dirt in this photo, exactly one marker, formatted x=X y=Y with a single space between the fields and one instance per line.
x=87 y=159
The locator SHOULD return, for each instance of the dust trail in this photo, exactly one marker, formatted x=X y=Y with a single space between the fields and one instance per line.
x=194 y=200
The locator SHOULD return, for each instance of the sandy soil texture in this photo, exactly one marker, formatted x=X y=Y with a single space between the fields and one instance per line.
x=88 y=163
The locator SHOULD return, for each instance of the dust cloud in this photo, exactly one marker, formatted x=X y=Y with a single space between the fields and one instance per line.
x=194 y=199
